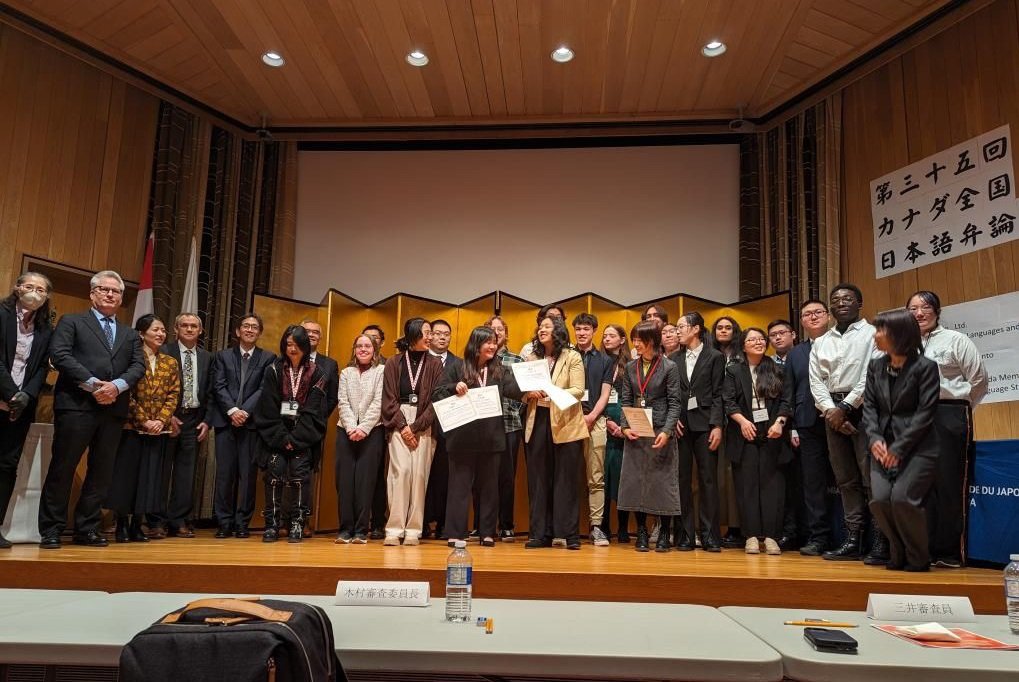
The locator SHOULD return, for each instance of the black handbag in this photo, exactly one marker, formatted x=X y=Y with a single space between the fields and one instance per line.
x=235 y=640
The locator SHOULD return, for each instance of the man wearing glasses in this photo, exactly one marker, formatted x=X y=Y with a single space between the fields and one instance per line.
x=99 y=360
x=438 y=476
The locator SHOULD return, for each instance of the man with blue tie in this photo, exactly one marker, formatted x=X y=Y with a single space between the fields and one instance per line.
x=237 y=384
x=99 y=361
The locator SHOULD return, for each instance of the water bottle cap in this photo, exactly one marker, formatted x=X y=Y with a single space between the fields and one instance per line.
x=462 y=544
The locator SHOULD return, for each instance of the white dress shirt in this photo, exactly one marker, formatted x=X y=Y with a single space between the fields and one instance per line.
x=441 y=356
x=691 y=359
x=360 y=398
x=962 y=371
x=22 y=347
x=838 y=364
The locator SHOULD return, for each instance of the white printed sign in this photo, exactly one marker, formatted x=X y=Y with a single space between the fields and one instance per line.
x=957 y=201
x=993 y=326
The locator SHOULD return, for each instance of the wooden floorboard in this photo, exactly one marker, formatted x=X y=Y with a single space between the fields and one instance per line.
x=508 y=571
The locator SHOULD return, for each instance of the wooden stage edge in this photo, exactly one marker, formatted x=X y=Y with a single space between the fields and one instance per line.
x=508 y=571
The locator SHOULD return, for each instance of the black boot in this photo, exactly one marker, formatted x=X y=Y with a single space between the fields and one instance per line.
x=296 y=533
x=121 y=533
x=663 y=544
x=134 y=532
x=4 y=542
x=642 y=539
x=271 y=534
x=623 y=536
x=851 y=549
x=878 y=555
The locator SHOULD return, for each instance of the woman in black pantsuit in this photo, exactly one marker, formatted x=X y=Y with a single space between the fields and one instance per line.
x=476 y=448
x=757 y=402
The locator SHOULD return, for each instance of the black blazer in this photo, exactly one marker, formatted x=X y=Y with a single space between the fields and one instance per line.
x=204 y=388
x=226 y=384
x=483 y=435
x=797 y=370
x=706 y=385
x=738 y=397
x=902 y=418
x=36 y=367
x=331 y=374
x=662 y=394
x=78 y=350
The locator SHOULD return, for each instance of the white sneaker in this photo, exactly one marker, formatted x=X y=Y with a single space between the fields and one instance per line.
x=392 y=541
x=771 y=547
x=558 y=542
x=411 y=540
x=753 y=546
x=598 y=538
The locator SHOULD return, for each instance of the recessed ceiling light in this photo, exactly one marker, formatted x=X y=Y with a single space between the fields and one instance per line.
x=562 y=54
x=713 y=49
x=417 y=58
x=273 y=59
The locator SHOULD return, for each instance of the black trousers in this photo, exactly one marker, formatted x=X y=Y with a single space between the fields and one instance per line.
x=285 y=472
x=179 y=474
x=794 y=521
x=761 y=484
x=815 y=469
x=357 y=468
x=438 y=485
x=506 y=486
x=236 y=476
x=694 y=446
x=74 y=431
x=136 y=486
x=477 y=472
x=946 y=511
x=897 y=505
x=553 y=482
x=12 y=442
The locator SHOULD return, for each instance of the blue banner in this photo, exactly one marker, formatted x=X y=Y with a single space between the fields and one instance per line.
x=993 y=528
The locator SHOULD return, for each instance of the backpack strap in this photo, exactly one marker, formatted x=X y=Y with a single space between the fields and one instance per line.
x=248 y=606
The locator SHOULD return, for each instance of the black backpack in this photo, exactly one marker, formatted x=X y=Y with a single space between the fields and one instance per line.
x=235 y=640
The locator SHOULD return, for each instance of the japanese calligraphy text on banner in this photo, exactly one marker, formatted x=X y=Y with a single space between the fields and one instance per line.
x=954 y=202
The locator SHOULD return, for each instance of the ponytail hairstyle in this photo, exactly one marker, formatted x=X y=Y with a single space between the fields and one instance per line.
x=412 y=333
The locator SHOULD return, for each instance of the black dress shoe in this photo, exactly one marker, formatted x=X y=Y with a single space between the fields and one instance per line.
x=788 y=543
x=376 y=534
x=270 y=535
x=90 y=539
x=507 y=535
x=223 y=532
x=642 y=540
x=923 y=568
x=573 y=543
x=812 y=548
x=711 y=546
x=4 y=542
x=663 y=544
x=849 y=551
x=535 y=543
x=242 y=532
x=623 y=537
x=734 y=541
x=120 y=534
x=878 y=555
x=50 y=542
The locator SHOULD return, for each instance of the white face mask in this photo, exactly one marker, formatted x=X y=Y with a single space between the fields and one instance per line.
x=31 y=300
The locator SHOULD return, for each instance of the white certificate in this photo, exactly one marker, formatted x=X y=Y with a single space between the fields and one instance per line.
x=560 y=396
x=532 y=375
x=639 y=421
x=478 y=403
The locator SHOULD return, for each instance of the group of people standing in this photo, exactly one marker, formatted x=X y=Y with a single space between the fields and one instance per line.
x=885 y=409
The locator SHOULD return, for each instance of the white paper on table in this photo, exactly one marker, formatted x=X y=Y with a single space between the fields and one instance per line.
x=532 y=375
x=639 y=421
x=560 y=396
x=477 y=403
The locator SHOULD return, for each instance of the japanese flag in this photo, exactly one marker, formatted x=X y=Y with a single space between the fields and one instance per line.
x=143 y=304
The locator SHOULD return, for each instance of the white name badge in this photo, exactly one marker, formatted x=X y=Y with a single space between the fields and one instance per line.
x=288 y=408
x=613 y=397
x=691 y=404
x=381 y=593
x=920 y=608
x=584 y=397
x=760 y=416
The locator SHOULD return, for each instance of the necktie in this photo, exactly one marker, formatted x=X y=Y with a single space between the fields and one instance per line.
x=245 y=358
x=108 y=330
x=189 y=379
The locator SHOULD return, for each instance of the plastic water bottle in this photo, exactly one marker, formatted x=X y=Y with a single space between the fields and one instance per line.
x=458 y=584
x=1011 y=593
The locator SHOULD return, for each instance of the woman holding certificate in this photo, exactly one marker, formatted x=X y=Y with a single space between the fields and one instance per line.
x=475 y=448
x=554 y=437
x=649 y=483
x=407 y=383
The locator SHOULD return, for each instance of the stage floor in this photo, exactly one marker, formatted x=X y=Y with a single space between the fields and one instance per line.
x=507 y=571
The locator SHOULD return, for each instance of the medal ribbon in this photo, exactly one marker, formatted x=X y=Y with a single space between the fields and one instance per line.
x=410 y=373
x=642 y=386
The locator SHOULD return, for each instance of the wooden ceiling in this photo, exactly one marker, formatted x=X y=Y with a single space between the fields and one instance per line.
x=635 y=59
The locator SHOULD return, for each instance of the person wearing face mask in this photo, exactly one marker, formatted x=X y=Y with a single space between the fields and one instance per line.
x=24 y=347
x=137 y=488
x=360 y=440
x=475 y=449
x=99 y=360
x=963 y=384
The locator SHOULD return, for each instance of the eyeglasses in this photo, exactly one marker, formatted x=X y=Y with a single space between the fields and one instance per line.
x=779 y=333
x=441 y=334
x=109 y=291
x=843 y=299
x=756 y=340
x=914 y=309
x=813 y=313
x=39 y=290
x=251 y=326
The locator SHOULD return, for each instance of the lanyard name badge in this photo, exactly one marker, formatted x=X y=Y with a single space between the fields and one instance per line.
x=642 y=385
x=288 y=408
x=413 y=378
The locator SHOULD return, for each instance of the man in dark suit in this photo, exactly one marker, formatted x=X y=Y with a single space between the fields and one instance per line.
x=808 y=432
x=701 y=373
x=99 y=361
x=24 y=350
x=438 y=476
x=188 y=427
x=237 y=385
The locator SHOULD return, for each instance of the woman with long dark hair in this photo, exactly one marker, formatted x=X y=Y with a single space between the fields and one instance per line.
x=725 y=337
x=649 y=483
x=757 y=401
x=554 y=437
x=615 y=345
x=899 y=405
x=475 y=449
x=360 y=439
x=408 y=380
x=136 y=488
x=291 y=422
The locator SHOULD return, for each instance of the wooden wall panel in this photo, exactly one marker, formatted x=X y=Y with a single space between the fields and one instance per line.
x=963 y=82
x=75 y=161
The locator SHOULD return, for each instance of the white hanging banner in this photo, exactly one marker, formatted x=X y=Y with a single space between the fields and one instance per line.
x=992 y=324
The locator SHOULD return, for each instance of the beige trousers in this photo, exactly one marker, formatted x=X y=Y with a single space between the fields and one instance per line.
x=594 y=457
x=406 y=480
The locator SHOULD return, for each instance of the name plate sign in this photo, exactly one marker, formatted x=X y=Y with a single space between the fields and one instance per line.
x=381 y=593
x=920 y=608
